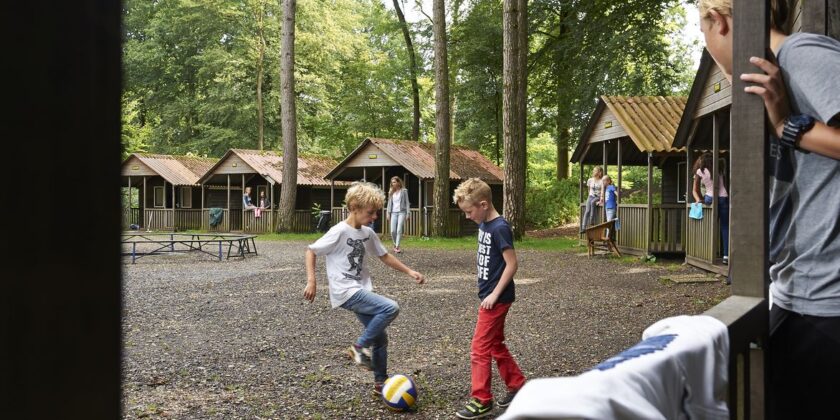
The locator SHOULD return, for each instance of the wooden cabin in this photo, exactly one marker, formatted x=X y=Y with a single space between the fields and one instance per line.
x=162 y=192
x=222 y=188
x=704 y=127
x=639 y=131
x=377 y=160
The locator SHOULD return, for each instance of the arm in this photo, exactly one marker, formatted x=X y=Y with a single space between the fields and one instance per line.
x=603 y=196
x=822 y=139
x=695 y=191
x=511 y=265
x=309 y=291
x=393 y=262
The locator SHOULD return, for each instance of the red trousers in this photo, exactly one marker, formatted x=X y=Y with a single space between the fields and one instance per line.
x=488 y=343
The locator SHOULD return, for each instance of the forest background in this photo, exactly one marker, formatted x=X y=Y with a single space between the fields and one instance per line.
x=202 y=76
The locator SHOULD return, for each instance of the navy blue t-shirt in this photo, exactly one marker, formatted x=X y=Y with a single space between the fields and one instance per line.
x=494 y=237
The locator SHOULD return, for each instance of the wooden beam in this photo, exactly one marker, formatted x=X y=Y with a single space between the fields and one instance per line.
x=715 y=180
x=749 y=150
x=618 y=196
x=749 y=198
x=332 y=193
x=814 y=14
x=649 y=217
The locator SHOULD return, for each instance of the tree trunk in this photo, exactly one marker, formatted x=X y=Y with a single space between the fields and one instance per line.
x=412 y=62
x=562 y=144
x=288 y=189
x=442 y=127
x=498 y=103
x=515 y=35
x=833 y=19
x=260 y=70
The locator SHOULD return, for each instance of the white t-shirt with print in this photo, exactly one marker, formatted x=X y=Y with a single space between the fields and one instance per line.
x=346 y=248
x=395 y=199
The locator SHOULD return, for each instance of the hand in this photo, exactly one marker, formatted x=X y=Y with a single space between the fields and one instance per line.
x=309 y=291
x=771 y=88
x=489 y=301
x=417 y=277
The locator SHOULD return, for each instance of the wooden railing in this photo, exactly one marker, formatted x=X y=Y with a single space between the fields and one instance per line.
x=412 y=225
x=700 y=237
x=302 y=221
x=224 y=226
x=667 y=227
x=632 y=234
x=130 y=217
x=188 y=219
x=159 y=219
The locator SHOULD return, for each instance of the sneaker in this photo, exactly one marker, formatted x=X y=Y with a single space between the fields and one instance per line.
x=475 y=410
x=361 y=356
x=504 y=402
x=398 y=250
x=726 y=259
x=377 y=389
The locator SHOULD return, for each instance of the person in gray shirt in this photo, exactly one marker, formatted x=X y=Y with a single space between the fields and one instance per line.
x=801 y=95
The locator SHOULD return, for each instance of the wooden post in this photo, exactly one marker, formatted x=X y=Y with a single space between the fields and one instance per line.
x=649 y=218
x=202 y=211
x=332 y=194
x=228 y=198
x=715 y=179
x=145 y=199
x=364 y=174
x=173 y=203
x=618 y=151
x=814 y=15
x=243 y=203
x=129 y=203
x=749 y=200
x=382 y=222
x=604 y=160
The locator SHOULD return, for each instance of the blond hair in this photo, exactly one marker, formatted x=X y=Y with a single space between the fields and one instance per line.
x=473 y=190
x=779 y=10
x=606 y=178
x=362 y=195
x=399 y=180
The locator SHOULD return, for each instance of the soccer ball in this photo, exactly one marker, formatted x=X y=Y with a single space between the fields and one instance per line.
x=399 y=393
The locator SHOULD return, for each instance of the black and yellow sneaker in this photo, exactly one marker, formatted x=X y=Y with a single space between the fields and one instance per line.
x=504 y=402
x=475 y=410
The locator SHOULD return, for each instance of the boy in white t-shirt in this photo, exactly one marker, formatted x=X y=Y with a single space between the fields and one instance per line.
x=345 y=246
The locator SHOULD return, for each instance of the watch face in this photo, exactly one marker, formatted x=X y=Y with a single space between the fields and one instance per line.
x=801 y=120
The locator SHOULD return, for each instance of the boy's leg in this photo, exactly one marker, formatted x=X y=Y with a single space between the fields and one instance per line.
x=379 y=351
x=380 y=309
x=486 y=329
x=508 y=368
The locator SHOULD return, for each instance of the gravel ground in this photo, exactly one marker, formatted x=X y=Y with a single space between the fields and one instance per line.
x=235 y=339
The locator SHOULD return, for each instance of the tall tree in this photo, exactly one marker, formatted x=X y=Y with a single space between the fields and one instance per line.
x=259 y=13
x=442 y=118
x=412 y=66
x=288 y=191
x=515 y=75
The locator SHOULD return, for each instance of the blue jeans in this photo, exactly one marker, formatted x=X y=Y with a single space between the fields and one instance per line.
x=589 y=212
x=397 y=222
x=723 y=216
x=375 y=312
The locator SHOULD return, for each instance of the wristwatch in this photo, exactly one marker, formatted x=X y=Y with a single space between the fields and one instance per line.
x=795 y=127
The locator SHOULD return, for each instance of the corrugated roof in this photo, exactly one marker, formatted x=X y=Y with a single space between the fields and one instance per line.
x=419 y=159
x=177 y=170
x=311 y=169
x=650 y=121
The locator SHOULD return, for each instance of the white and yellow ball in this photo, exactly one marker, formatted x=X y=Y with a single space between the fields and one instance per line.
x=399 y=393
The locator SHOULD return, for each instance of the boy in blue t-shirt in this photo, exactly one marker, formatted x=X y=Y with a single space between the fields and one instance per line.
x=496 y=266
x=610 y=202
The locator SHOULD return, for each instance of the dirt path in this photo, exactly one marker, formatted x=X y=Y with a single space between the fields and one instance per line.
x=235 y=339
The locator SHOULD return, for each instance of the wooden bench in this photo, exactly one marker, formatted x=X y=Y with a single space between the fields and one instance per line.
x=601 y=237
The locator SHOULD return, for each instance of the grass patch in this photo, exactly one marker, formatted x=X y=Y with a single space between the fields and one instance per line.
x=462 y=243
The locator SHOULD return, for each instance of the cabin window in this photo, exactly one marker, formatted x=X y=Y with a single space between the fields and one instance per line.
x=186 y=197
x=159 y=200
